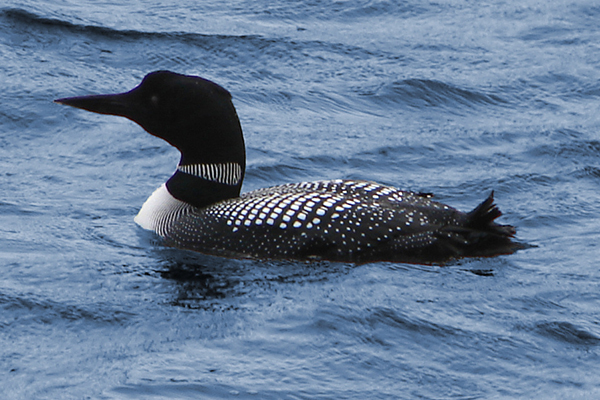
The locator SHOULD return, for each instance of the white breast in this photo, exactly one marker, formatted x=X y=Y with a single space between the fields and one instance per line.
x=160 y=211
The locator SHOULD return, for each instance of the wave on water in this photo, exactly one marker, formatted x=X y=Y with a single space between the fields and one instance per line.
x=28 y=20
x=267 y=59
x=568 y=333
x=49 y=311
x=425 y=93
x=268 y=46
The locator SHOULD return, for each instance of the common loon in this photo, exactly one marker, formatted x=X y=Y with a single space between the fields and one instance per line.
x=200 y=207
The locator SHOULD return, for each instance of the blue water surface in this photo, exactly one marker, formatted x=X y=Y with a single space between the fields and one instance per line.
x=452 y=97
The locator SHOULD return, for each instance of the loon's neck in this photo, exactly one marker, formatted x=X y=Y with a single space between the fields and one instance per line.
x=192 y=185
x=201 y=185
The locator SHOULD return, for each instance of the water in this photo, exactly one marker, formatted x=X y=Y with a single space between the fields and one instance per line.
x=450 y=97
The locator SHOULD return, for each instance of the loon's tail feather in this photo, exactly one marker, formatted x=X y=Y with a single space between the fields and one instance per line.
x=482 y=219
x=480 y=236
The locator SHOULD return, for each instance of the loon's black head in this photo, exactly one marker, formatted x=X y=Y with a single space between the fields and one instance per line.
x=193 y=114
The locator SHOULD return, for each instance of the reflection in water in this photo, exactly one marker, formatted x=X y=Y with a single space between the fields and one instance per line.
x=208 y=282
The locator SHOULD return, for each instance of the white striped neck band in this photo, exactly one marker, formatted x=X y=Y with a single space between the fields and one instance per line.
x=226 y=173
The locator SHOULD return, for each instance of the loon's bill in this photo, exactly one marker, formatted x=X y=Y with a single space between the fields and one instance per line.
x=200 y=207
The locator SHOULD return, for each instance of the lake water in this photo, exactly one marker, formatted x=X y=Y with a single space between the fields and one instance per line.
x=451 y=97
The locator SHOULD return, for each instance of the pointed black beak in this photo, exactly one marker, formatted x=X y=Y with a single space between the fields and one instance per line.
x=119 y=104
x=129 y=105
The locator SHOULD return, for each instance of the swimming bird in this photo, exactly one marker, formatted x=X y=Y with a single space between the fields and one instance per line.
x=200 y=208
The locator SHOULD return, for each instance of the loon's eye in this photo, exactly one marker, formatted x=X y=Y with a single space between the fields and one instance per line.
x=154 y=100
